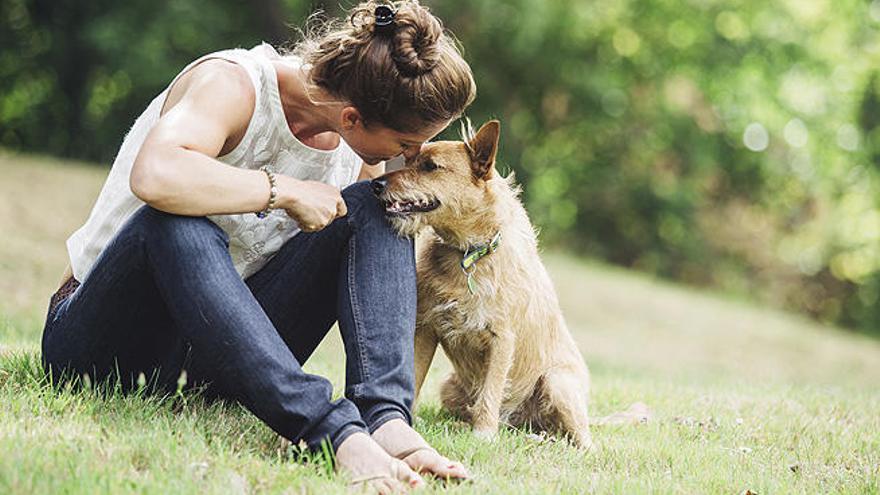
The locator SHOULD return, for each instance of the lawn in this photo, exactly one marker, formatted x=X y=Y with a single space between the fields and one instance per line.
x=742 y=398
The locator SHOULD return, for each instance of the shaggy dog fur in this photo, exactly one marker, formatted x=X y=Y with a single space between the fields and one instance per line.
x=514 y=358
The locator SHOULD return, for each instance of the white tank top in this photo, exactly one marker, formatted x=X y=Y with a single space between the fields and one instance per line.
x=267 y=141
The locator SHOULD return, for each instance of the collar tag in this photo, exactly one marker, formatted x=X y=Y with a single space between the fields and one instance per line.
x=471 y=283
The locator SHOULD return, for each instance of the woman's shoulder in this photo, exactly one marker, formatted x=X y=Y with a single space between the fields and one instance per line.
x=213 y=102
x=217 y=76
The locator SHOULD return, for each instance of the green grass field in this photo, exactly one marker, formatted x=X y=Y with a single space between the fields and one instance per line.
x=742 y=398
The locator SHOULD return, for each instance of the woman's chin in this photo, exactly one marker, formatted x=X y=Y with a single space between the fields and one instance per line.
x=372 y=160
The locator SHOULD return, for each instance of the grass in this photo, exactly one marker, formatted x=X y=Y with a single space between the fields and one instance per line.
x=743 y=398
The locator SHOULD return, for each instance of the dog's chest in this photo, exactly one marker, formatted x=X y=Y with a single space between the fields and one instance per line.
x=457 y=317
x=461 y=323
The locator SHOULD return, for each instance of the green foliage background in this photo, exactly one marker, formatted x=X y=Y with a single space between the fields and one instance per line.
x=627 y=121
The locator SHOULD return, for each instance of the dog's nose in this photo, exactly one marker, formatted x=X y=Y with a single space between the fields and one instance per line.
x=378 y=185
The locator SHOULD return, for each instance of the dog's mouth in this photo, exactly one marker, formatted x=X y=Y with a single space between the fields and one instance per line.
x=408 y=206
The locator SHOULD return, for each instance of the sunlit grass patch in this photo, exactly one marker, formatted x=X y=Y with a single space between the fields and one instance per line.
x=741 y=397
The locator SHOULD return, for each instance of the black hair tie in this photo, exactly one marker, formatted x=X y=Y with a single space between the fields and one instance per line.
x=384 y=15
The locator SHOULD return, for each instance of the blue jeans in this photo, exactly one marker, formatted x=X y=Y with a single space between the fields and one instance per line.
x=164 y=297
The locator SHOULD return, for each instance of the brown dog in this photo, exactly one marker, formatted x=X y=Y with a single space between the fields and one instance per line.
x=483 y=293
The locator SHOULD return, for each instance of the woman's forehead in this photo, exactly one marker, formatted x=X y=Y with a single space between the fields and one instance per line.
x=422 y=135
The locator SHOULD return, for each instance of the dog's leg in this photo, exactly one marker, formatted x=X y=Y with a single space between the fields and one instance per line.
x=487 y=407
x=455 y=398
x=425 y=346
x=567 y=394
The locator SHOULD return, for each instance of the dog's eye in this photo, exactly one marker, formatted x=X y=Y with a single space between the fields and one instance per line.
x=428 y=166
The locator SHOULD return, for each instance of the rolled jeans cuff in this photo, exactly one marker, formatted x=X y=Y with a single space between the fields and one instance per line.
x=380 y=417
x=339 y=424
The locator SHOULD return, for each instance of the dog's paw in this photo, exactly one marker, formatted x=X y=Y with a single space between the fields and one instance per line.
x=485 y=434
x=585 y=443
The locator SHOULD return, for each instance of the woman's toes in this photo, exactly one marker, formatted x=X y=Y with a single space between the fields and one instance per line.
x=398 y=438
x=454 y=470
x=405 y=474
x=457 y=470
x=370 y=467
x=432 y=462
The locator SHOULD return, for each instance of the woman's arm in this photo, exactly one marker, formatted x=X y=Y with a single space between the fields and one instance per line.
x=176 y=170
x=208 y=110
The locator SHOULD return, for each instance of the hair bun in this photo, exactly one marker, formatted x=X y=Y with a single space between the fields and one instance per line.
x=415 y=49
x=392 y=61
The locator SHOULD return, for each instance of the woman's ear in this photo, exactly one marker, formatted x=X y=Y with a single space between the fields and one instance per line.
x=483 y=147
x=351 y=118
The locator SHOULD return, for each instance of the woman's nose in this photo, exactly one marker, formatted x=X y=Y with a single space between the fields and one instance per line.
x=411 y=152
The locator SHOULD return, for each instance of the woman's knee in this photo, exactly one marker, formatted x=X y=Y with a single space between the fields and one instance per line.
x=365 y=209
x=177 y=230
x=360 y=199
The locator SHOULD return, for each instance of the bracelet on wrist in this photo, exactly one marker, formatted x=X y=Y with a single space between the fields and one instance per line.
x=273 y=193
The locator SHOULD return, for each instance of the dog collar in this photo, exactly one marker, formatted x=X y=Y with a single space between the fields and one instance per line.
x=473 y=254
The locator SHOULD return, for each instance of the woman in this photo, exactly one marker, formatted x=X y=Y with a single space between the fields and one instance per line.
x=175 y=275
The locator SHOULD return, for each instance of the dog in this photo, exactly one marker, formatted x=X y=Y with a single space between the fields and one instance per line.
x=483 y=293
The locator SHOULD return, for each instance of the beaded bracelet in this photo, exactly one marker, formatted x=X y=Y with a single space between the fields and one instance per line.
x=273 y=193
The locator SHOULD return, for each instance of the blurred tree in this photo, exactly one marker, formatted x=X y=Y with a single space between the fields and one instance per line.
x=711 y=142
x=869 y=118
x=74 y=74
x=272 y=20
x=726 y=144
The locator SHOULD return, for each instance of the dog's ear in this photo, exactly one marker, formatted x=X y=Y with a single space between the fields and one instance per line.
x=483 y=147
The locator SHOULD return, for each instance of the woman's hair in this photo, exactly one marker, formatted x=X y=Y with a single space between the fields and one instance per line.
x=404 y=76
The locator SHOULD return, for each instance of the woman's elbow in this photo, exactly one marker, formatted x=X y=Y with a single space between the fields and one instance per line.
x=146 y=181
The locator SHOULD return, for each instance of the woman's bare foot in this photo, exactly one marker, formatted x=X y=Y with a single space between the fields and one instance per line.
x=397 y=438
x=368 y=464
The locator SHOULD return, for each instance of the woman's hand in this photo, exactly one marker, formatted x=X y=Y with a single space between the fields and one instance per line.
x=312 y=204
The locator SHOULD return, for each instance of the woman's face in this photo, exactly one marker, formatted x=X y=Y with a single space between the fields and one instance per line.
x=378 y=143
